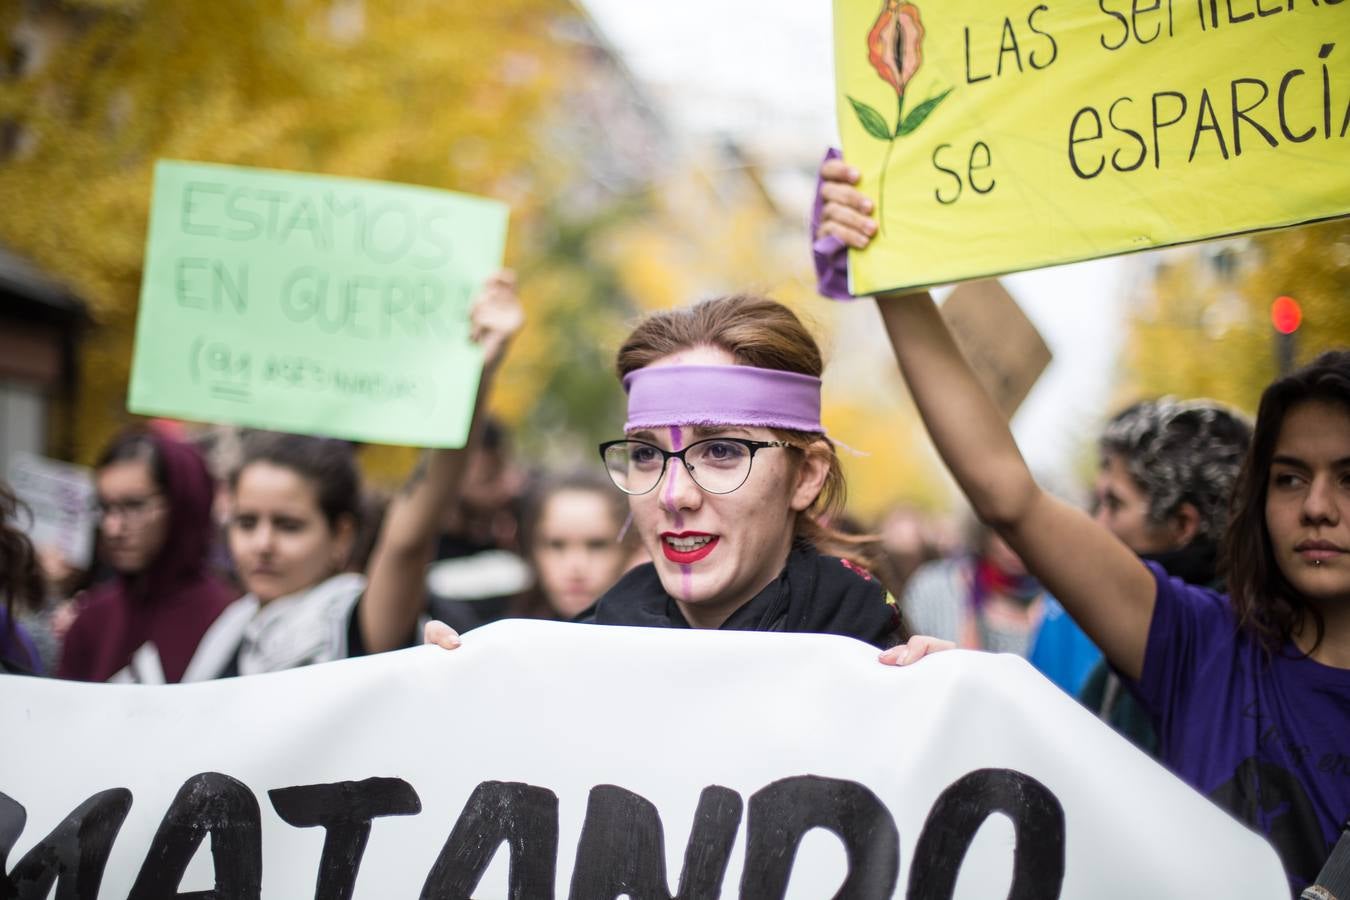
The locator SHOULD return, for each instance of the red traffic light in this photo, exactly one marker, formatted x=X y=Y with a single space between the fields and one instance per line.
x=1286 y=315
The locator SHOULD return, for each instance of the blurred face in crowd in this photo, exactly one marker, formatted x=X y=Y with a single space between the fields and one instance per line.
x=134 y=512
x=576 y=550
x=1308 y=501
x=1122 y=507
x=1003 y=557
x=713 y=552
x=279 y=538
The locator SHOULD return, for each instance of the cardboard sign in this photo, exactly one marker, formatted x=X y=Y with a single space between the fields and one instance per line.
x=997 y=136
x=60 y=499
x=599 y=762
x=312 y=304
x=1006 y=351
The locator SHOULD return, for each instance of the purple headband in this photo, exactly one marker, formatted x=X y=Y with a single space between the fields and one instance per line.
x=660 y=396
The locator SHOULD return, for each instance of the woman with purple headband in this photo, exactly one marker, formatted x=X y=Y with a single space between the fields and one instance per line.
x=732 y=482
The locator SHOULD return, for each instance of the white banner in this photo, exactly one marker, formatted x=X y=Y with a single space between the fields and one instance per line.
x=546 y=760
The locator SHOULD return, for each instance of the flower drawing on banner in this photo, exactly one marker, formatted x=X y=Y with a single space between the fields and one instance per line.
x=895 y=51
x=895 y=44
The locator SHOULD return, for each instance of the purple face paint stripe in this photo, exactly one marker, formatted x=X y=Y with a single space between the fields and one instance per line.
x=661 y=396
x=676 y=443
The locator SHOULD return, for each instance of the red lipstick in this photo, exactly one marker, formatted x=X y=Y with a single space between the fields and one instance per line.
x=697 y=549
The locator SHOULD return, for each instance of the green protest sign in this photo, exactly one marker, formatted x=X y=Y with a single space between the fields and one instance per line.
x=312 y=304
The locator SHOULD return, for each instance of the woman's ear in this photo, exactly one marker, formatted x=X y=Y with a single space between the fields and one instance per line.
x=811 y=475
x=344 y=541
x=1183 y=525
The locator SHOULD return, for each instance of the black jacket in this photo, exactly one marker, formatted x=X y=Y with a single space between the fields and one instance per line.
x=814 y=593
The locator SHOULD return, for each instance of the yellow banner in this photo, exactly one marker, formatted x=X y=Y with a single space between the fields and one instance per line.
x=997 y=136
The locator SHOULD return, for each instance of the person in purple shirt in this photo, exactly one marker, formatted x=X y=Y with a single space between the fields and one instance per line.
x=20 y=585
x=1250 y=691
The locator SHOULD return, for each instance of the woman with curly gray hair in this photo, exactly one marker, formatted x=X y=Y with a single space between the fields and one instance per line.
x=1164 y=488
x=1167 y=474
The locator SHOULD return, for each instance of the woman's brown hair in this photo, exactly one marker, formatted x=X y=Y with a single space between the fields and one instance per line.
x=1266 y=603
x=765 y=334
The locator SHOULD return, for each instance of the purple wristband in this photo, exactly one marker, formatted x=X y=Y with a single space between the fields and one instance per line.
x=829 y=253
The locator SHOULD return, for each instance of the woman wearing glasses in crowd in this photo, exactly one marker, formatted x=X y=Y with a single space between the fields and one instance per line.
x=1250 y=691
x=732 y=483
x=155 y=527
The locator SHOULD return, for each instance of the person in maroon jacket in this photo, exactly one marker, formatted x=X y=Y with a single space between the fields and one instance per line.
x=154 y=498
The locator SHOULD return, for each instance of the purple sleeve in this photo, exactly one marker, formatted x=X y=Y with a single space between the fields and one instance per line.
x=1189 y=626
x=829 y=253
x=16 y=646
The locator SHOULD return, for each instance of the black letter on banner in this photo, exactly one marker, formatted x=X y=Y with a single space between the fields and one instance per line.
x=214 y=804
x=525 y=817
x=623 y=849
x=345 y=810
x=1240 y=115
x=709 y=849
x=72 y=856
x=1038 y=820
x=782 y=813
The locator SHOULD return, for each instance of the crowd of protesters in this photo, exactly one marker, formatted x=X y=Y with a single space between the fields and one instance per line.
x=1207 y=580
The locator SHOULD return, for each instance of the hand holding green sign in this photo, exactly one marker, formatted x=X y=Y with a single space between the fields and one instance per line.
x=312 y=304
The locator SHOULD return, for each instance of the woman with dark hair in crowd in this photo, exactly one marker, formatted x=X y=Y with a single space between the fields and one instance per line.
x=576 y=543
x=20 y=587
x=731 y=481
x=155 y=528
x=294 y=506
x=1250 y=691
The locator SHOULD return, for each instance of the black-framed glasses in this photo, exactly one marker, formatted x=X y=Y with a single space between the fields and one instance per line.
x=717 y=465
x=133 y=510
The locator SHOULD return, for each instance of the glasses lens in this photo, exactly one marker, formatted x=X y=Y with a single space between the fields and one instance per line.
x=719 y=466
x=633 y=466
x=133 y=510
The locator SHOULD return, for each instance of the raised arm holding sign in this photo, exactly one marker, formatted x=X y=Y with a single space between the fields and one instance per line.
x=1271 y=659
x=317 y=307
x=293 y=506
x=312 y=304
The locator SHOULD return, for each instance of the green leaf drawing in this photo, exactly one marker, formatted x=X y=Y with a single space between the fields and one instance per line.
x=919 y=113
x=871 y=120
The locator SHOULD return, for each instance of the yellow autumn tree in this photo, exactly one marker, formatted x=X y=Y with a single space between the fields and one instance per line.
x=1201 y=323
x=456 y=95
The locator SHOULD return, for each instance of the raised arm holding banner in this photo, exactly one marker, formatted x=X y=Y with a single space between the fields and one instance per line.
x=312 y=304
